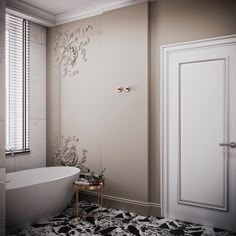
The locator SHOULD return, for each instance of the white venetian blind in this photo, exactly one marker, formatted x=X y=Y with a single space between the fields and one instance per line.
x=17 y=84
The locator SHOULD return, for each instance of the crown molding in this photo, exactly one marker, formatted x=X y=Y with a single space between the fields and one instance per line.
x=71 y=16
x=75 y=15
x=127 y=4
x=48 y=19
x=30 y=12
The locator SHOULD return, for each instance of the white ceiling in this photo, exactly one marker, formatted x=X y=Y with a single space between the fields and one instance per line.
x=55 y=12
x=62 y=6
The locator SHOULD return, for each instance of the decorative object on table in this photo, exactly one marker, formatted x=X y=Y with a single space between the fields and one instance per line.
x=90 y=179
x=66 y=152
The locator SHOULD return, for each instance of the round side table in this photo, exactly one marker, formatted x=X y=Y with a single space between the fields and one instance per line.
x=78 y=187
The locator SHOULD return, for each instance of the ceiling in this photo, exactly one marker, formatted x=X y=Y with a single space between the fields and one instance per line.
x=56 y=12
x=62 y=6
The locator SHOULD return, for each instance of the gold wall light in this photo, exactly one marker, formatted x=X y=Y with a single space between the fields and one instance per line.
x=119 y=89
x=127 y=89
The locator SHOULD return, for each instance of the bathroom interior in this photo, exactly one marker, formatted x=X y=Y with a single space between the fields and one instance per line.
x=147 y=87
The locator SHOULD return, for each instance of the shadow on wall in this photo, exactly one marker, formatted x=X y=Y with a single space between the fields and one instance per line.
x=2 y=201
x=2 y=118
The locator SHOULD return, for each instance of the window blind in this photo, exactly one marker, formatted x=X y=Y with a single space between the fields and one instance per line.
x=17 y=84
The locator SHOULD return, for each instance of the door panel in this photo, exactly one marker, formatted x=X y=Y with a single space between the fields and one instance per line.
x=200 y=111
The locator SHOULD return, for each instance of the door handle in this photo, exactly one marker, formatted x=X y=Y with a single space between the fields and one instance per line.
x=232 y=144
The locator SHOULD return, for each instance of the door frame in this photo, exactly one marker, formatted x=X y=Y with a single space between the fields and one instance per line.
x=165 y=51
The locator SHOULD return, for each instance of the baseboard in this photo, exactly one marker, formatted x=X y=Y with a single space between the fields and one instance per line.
x=143 y=208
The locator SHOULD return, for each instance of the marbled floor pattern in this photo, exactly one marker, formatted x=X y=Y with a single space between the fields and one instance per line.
x=111 y=222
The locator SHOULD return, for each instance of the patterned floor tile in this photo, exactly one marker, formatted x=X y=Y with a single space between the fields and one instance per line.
x=111 y=222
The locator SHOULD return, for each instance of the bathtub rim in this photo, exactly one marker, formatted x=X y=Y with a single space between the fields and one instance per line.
x=42 y=182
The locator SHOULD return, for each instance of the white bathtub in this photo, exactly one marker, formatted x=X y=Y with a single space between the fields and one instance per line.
x=37 y=194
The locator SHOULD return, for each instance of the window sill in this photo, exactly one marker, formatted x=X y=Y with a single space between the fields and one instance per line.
x=8 y=154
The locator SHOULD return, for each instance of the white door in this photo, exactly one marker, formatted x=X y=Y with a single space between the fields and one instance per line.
x=199 y=132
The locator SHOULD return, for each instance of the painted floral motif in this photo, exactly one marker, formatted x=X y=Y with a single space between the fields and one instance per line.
x=68 y=48
x=66 y=152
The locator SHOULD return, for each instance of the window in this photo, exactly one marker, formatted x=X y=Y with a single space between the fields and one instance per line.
x=17 y=84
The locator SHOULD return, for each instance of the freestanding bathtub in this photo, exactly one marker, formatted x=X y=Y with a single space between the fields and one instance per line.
x=37 y=194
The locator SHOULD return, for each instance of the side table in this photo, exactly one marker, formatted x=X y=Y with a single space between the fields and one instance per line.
x=78 y=187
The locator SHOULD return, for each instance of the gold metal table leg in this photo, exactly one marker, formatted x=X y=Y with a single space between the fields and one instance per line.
x=77 y=202
x=101 y=193
x=98 y=198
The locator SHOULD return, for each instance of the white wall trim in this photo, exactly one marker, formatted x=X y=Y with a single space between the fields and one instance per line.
x=48 y=19
x=127 y=4
x=68 y=17
x=125 y=200
x=71 y=16
x=165 y=51
x=229 y=39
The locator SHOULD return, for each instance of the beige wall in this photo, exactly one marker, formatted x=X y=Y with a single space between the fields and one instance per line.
x=125 y=150
x=175 y=21
x=2 y=117
x=124 y=49
x=83 y=98
x=73 y=100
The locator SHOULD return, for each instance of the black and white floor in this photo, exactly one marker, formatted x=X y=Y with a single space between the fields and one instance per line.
x=112 y=222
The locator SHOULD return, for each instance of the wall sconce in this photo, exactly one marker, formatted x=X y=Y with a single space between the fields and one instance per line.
x=119 y=89
x=127 y=89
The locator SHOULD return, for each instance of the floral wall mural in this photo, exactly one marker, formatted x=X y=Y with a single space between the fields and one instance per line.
x=71 y=50
x=74 y=74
